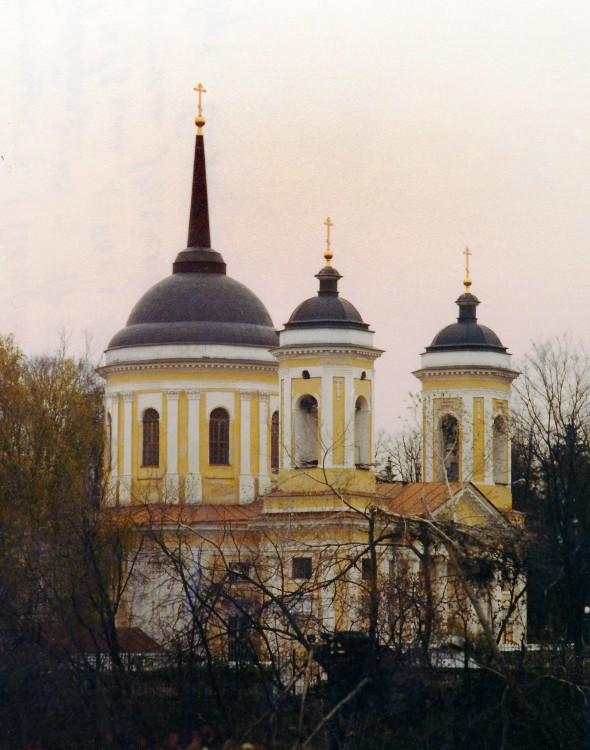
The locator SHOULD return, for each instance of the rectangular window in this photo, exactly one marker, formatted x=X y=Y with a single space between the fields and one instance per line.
x=151 y=438
x=302 y=568
x=237 y=633
x=238 y=569
x=366 y=568
x=219 y=437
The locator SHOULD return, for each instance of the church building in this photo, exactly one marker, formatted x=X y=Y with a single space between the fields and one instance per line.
x=252 y=444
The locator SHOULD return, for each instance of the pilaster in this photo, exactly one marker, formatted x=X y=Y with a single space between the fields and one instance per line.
x=349 y=402
x=246 y=493
x=286 y=420
x=194 y=481
x=264 y=423
x=125 y=481
x=171 y=479
x=326 y=456
x=112 y=407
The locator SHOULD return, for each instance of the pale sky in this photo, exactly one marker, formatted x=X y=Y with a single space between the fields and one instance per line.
x=418 y=127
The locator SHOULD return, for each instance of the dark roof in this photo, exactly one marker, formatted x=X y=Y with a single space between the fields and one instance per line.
x=327 y=309
x=466 y=334
x=198 y=308
x=198 y=303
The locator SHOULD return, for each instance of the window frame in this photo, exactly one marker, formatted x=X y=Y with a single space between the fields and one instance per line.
x=367 y=568
x=302 y=568
x=219 y=437
x=150 y=438
x=237 y=569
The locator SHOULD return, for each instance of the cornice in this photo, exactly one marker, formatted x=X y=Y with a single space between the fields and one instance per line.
x=303 y=350
x=189 y=366
x=434 y=373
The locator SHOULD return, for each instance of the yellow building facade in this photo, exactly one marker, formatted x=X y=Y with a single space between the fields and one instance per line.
x=262 y=441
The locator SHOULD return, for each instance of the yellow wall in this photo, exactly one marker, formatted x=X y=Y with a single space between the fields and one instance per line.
x=338 y=426
x=479 y=457
x=450 y=384
x=315 y=479
x=220 y=483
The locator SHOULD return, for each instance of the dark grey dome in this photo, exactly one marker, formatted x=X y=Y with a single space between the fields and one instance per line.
x=198 y=304
x=198 y=308
x=327 y=309
x=466 y=333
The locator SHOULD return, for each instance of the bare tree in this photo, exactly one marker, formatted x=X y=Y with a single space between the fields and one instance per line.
x=552 y=481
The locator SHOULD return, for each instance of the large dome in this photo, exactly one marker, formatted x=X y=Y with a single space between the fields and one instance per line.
x=466 y=334
x=198 y=303
x=198 y=308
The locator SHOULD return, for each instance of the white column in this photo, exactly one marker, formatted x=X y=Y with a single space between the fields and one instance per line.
x=171 y=480
x=194 y=482
x=246 y=478
x=125 y=483
x=113 y=410
x=263 y=422
x=326 y=456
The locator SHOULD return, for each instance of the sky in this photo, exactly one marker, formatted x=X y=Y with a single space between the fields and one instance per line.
x=419 y=127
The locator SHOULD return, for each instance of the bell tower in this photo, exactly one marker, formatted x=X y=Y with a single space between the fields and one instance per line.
x=326 y=378
x=466 y=378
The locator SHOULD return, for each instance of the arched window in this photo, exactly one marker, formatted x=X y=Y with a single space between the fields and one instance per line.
x=151 y=438
x=274 y=441
x=305 y=375
x=500 y=450
x=448 y=439
x=109 y=446
x=219 y=437
x=306 y=431
x=361 y=432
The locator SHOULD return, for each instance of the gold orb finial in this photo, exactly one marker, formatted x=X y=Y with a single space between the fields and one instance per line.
x=467 y=280
x=199 y=119
x=328 y=255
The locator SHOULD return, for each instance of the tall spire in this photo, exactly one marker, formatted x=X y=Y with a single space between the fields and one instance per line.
x=198 y=257
x=198 y=225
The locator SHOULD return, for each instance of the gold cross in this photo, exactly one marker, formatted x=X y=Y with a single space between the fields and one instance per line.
x=200 y=120
x=467 y=281
x=328 y=255
x=200 y=91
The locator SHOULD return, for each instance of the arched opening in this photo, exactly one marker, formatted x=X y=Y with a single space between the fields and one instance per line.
x=219 y=436
x=109 y=446
x=361 y=432
x=150 y=454
x=363 y=375
x=305 y=375
x=448 y=439
x=306 y=431
x=274 y=442
x=500 y=451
